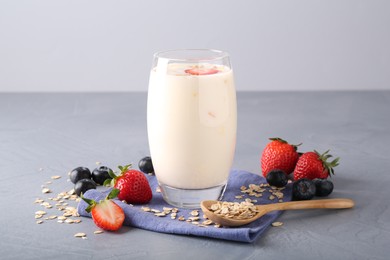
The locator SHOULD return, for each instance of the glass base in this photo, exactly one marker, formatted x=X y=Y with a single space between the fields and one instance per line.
x=190 y=198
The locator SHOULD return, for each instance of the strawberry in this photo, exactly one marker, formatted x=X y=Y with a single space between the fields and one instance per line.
x=106 y=214
x=201 y=71
x=132 y=184
x=312 y=165
x=279 y=154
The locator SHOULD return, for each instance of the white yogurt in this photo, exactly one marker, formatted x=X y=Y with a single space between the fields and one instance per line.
x=192 y=121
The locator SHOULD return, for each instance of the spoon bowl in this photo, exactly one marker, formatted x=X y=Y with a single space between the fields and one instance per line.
x=264 y=209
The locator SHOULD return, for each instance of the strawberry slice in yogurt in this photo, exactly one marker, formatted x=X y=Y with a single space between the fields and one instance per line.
x=201 y=71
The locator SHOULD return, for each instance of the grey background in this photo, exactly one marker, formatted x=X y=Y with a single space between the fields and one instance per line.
x=85 y=45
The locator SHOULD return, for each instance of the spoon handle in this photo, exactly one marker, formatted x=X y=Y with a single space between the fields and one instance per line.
x=313 y=204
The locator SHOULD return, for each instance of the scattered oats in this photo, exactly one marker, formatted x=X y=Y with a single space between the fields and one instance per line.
x=38 y=216
x=98 y=232
x=71 y=192
x=181 y=218
x=207 y=222
x=55 y=177
x=67 y=214
x=195 y=222
x=40 y=212
x=98 y=163
x=202 y=225
x=80 y=235
x=155 y=211
x=158 y=189
x=188 y=220
x=194 y=213
x=46 y=190
x=124 y=201
x=146 y=209
x=66 y=197
x=271 y=197
x=38 y=201
x=60 y=221
x=194 y=218
x=65 y=204
x=61 y=217
x=39 y=222
x=280 y=200
x=242 y=188
x=167 y=209
x=161 y=214
x=45 y=204
x=175 y=210
x=52 y=217
x=76 y=221
x=55 y=199
x=217 y=225
x=69 y=221
x=205 y=217
x=239 y=197
x=48 y=182
x=277 y=224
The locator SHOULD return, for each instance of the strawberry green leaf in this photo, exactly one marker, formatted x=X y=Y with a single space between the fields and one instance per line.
x=107 y=182
x=91 y=203
x=113 y=194
x=112 y=174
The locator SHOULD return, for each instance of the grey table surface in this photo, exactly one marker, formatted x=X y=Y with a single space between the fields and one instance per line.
x=42 y=135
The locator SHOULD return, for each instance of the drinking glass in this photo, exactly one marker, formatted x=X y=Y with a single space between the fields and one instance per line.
x=192 y=124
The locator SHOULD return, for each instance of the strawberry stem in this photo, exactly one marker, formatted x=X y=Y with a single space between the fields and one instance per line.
x=113 y=194
x=91 y=203
x=328 y=165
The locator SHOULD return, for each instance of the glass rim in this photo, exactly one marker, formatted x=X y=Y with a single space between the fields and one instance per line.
x=219 y=54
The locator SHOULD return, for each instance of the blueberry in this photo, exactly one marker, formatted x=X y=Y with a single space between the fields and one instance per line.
x=79 y=173
x=277 y=178
x=83 y=185
x=146 y=165
x=100 y=174
x=303 y=189
x=323 y=187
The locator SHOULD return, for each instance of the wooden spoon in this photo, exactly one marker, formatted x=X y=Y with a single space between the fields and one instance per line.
x=264 y=209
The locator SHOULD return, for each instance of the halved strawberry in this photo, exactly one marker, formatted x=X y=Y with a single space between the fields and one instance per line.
x=106 y=214
x=201 y=71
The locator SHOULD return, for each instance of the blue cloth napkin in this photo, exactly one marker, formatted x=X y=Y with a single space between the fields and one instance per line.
x=136 y=217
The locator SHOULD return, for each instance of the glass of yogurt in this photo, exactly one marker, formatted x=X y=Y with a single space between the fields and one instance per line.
x=192 y=123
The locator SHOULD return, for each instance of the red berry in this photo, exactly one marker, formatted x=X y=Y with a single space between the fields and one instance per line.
x=279 y=154
x=201 y=71
x=312 y=165
x=106 y=214
x=134 y=187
